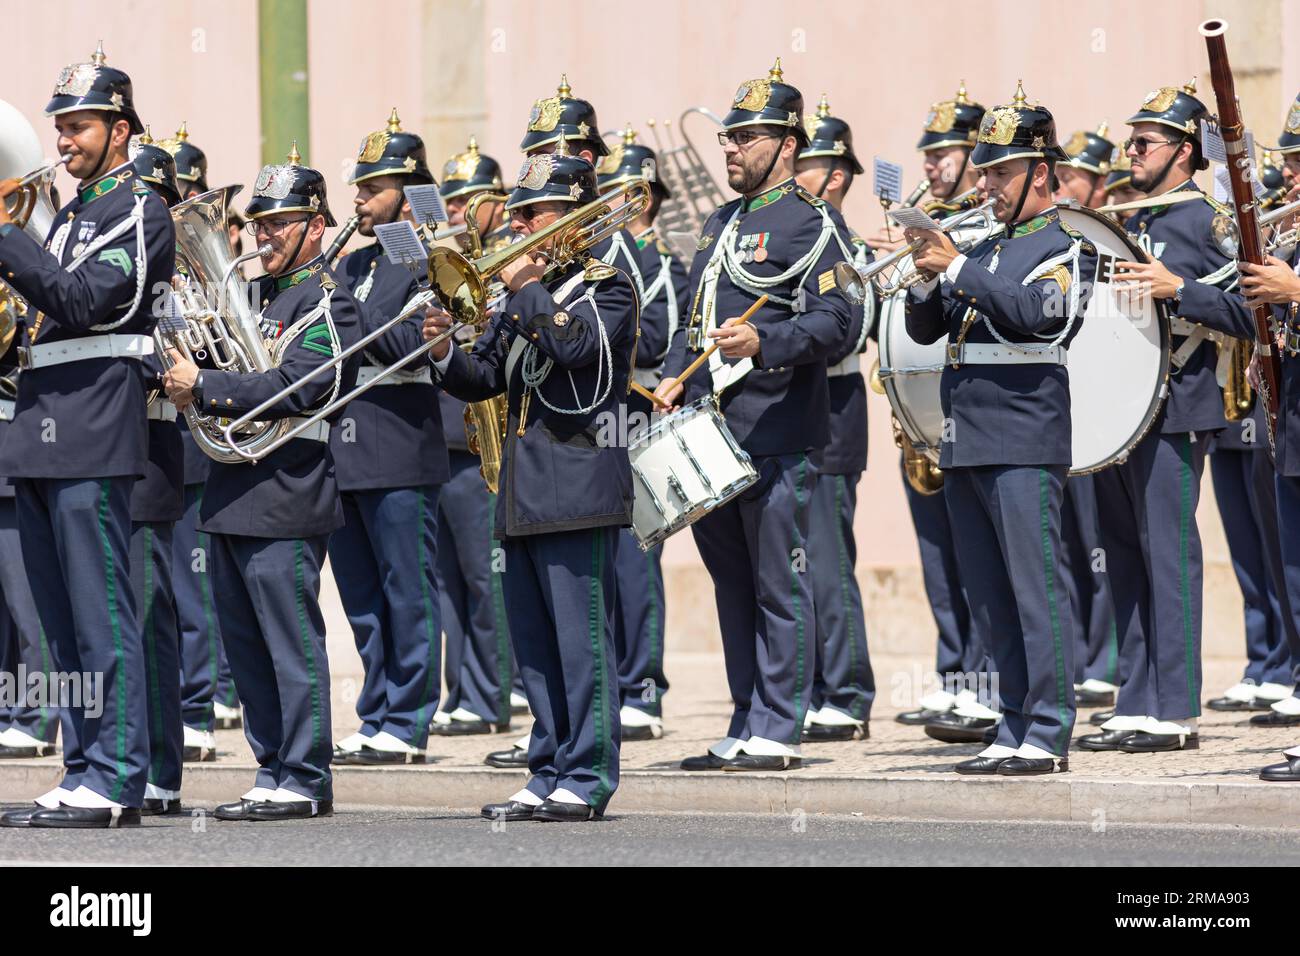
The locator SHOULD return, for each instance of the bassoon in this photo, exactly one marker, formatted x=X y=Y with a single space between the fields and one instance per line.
x=1250 y=247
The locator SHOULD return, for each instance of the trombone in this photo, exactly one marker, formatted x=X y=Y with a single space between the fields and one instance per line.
x=460 y=286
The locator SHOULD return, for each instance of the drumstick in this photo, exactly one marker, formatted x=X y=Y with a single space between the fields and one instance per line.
x=646 y=393
x=704 y=356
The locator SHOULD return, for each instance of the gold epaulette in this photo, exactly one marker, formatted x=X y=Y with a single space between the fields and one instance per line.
x=1061 y=276
x=663 y=247
x=595 y=270
x=326 y=282
x=1073 y=233
x=808 y=197
x=1221 y=208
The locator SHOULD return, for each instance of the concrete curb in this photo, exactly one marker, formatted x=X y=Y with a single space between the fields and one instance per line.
x=939 y=796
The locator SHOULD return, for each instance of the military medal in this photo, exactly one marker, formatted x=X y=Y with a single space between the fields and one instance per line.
x=760 y=253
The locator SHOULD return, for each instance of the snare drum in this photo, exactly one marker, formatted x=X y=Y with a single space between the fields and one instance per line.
x=684 y=465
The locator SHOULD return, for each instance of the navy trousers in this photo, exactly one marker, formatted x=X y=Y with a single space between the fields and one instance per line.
x=76 y=537
x=1244 y=492
x=151 y=582
x=478 y=661
x=1096 y=639
x=842 y=675
x=205 y=672
x=755 y=548
x=1006 y=522
x=1287 y=492
x=22 y=640
x=639 y=624
x=559 y=590
x=959 y=650
x=1153 y=557
x=270 y=619
x=385 y=560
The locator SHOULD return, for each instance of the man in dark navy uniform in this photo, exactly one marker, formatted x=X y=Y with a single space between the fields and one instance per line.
x=477 y=659
x=208 y=698
x=1010 y=309
x=269 y=521
x=664 y=296
x=562 y=351
x=769 y=378
x=79 y=438
x=391 y=463
x=1152 y=544
x=844 y=686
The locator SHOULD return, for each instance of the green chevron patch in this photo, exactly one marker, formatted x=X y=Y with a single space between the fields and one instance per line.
x=117 y=256
x=318 y=339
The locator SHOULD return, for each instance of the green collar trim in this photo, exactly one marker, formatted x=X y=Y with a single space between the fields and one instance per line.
x=104 y=186
x=1033 y=225
x=769 y=197
x=645 y=238
x=289 y=280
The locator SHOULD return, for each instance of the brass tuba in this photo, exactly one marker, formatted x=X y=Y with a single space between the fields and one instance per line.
x=485 y=434
x=1238 y=395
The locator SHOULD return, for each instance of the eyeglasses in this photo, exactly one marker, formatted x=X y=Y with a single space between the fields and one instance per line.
x=1142 y=143
x=270 y=226
x=526 y=213
x=741 y=138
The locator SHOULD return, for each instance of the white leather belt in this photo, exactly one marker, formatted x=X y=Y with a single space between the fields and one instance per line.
x=368 y=373
x=6 y=410
x=318 y=432
x=849 y=365
x=161 y=410
x=647 y=377
x=979 y=353
x=87 y=347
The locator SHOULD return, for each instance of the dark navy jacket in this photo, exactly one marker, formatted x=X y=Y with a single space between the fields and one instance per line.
x=1287 y=446
x=160 y=494
x=656 y=324
x=1180 y=237
x=291 y=493
x=8 y=362
x=1007 y=414
x=96 y=406
x=567 y=472
x=390 y=437
x=846 y=452
x=782 y=406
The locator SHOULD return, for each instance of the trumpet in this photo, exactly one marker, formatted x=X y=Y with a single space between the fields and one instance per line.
x=460 y=285
x=474 y=239
x=1281 y=237
x=29 y=196
x=853 y=283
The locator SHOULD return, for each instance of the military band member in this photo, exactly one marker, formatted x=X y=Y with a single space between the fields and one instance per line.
x=1082 y=177
x=1152 y=543
x=769 y=377
x=561 y=348
x=269 y=522
x=157 y=503
x=391 y=463
x=1011 y=308
x=79 y=438
x=1119 y=185
x=208 y=698
x=664 y=295
x=844 y=686
x=478 y=661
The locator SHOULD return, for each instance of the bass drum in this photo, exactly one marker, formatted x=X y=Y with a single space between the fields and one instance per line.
x=1118 y=362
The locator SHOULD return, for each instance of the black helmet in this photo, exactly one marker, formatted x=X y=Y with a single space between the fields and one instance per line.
x=1176 y=108
x=829 y=136
x=94 y=86
x=1016 y=132
x=629 y=160
x=554 y=177
x=191 y=163
x=1290 y=139
x=563 y=115
x=1121 y=171
x=155 y=166
x=953 y=122
x=1090 y=151
x=391 y=152
x=769 y=102
x=470 y=172
x=289 y=187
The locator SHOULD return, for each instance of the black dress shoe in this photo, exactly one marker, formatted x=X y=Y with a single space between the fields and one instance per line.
x=552 y=811
x=749 y=762
x=1274 y=719
x=1106 y=740
x=824 y=733
x=638 y=733
x=369 y=757
x=707 y=762
x=979 y=765
x=21 y=817
x=235 y=811
x=1031 y=766
x=1094 y=698
x=1144 y=743
x=25 y=753
x=918 y=717
x=516 y=758
x=952 y=729
x=290 y=810
x=64 y=817
x=512 y=811
x=161 y=808
x=1288 y=772
x=1230 y=704
x=991 y=735
x=1101 y=717
x=467 y=728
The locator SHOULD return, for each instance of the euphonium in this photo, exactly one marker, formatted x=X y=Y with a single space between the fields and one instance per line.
x=1238 y=396
x=485 y=433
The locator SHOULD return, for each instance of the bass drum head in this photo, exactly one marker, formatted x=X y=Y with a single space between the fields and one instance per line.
x=910 y=374
x=1119 y=360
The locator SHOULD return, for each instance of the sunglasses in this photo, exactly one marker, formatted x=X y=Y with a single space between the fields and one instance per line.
x=1142 y=143
x=741 y=137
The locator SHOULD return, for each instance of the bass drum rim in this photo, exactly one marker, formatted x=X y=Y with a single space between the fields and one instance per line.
x=893 y=309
